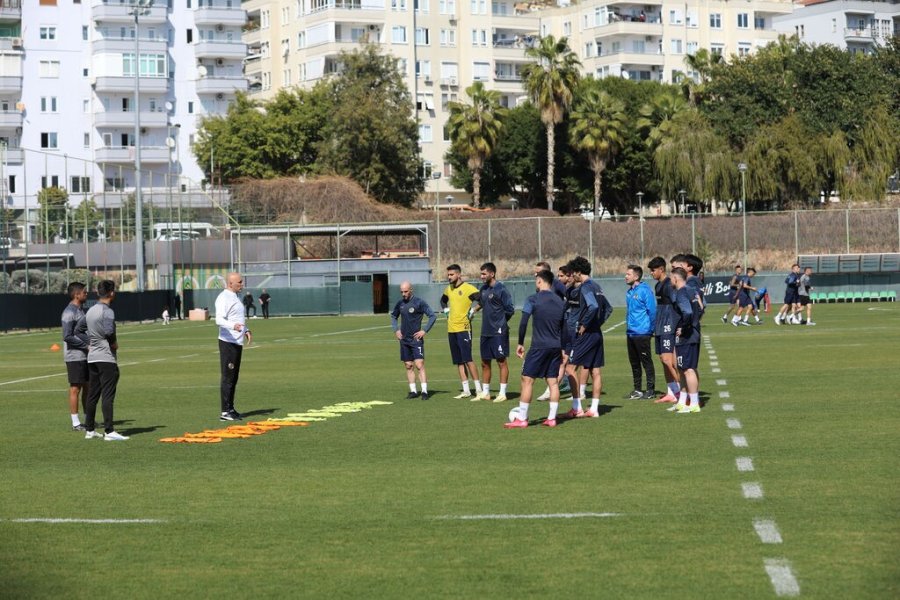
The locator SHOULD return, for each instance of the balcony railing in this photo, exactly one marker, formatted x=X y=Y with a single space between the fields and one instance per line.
x=865 y=32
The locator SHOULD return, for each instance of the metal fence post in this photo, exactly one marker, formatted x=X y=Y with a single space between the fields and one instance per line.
x=540 y=248
x=796 y=234
x=591 y=241
x=490 y=258
x=847 y=227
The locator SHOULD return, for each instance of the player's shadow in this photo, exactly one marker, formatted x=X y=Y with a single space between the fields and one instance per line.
x=260 y=411
x=704 y=398
x=139 y=430
x=602 y=410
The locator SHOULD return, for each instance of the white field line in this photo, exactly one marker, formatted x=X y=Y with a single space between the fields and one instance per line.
x=315 y=335
x=728 y=407
x=724 y=394
x=716 y=370
x=744 y=464
x=713 y=363
x=733 y=423
x=90 y=521
x=739 y=441
x=782 y=577
x=752 y=490
x=767 y=531
x=619 y=324
x=27 y=379
x=721 y=382
x=506 y=517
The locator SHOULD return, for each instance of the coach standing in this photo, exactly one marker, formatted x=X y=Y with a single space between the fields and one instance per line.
x=103 y=367
x=75 y=349
x=233 y=331
x=640 y=319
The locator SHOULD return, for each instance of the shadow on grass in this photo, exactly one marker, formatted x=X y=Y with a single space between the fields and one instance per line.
x=259 y=411
x=562 y=419
x=704 y=397
x=139 y=430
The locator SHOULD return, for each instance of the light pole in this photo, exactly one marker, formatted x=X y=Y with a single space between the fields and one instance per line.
x=742 y=167
x=640 y=197
x=436 y=175
x=139 y=8
x=681 y=195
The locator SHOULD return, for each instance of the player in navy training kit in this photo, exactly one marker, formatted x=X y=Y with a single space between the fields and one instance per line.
x=747 y=302
x=664 y=329
x=587 y=350
x=497 y=305
x=687 y=341
x=560 y=288
x=543 y=358
x=734 y=288
x=791 y=297
x=409 y=331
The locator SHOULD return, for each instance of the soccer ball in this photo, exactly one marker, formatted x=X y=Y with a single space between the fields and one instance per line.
x=513 y=414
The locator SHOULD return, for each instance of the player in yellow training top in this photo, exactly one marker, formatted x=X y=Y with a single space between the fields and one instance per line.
x=456 y=302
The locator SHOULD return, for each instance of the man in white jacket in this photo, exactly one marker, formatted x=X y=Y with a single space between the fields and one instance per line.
x=233 y=333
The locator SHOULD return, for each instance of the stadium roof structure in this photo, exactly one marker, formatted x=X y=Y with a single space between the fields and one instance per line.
x=341 y=230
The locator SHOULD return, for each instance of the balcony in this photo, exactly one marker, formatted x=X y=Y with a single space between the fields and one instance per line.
x=11 y=10
x=14 y=156
x=126 y=45
x=623 y=57
x=158 y=85
x=10 y=118
x=864 y=35
x=125 y=154
x=629 y=28
x=10 y=85
x=212 y=84
x=126 y=119
x=520 y=24
x=119 y=11
x=220 y=48
x=345 y=7
x=220 y=13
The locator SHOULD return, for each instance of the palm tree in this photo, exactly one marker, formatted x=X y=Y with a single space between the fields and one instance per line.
x=702 y=63
x=657 y=115
x=551 y=81
x=598 y=129
x=474 y=129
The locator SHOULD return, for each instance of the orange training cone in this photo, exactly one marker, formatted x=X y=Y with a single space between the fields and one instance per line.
x=54 y=348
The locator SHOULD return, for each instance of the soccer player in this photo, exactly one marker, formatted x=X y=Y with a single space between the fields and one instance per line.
x=747 y=300
x=409 y=331
x=456 y=301
x=233 y=334
x=587 y=350
x=665 y=328
x=687 y=342
x=75 y=349
x=791 y=297
x=803 y=294
x=102 y=364
x=560 y=289
x=543 y=358
x=640 y=319
x=496 y=303
x=734 y=288
x=165 y=315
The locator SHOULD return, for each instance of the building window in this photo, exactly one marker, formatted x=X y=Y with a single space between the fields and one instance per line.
x=743 y=48
x=676 y=47
x=48 y=104
x=717 y=49
x=742 y=21
x=447 y=7
x=448 y=37
x=190 y=108
x=48 y=69
x=425 y=134
x=675 y=17
x=481 y=71
x=79 y=185
x=54 y=181
x=48 y=139
x=12 y=184
x=759 y=23
x=87 y=139
x=715 y=20
x=692 y=47
x=421 y=6
x=264 y=19
x=422 y=36
x=84 y=33
x=152 y=65
x=286 y=77
x=48 y=33
x=398 y=34
x=398 y=4
x=423 y=69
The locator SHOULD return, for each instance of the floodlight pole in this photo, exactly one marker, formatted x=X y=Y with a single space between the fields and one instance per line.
x=640 y=197
x=141 y=7
x=742 y=167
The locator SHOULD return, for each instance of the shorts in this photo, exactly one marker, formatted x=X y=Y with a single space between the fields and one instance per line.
x=732 y=296
x=78 y=372
x=744 y=300
x=804 y=300
x=587 y=351
x=542 y=363
x=495 y=347
x=665 y=344
x=791 y=296
x=460 y=347
x=687 y=356
x=412 y=350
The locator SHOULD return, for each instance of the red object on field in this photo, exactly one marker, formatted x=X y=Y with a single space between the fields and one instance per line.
x=768 y=304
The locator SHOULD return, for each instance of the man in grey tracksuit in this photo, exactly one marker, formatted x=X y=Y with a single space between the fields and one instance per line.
x=102 y=364
x=75 y=349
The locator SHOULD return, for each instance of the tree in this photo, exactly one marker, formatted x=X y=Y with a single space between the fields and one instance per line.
x=85 y=220
x=780 y=165
x=52 y=218
x=598 y=129
x=550 y=82
x=474 y=130
x=370 y=135
x=700 y=68
x=656 y=117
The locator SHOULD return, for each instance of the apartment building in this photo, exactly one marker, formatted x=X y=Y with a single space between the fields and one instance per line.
x=67 y=79
x=855 y=25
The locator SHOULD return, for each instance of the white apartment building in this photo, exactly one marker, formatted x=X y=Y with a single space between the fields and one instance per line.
x=445 y=45
x=855 y=25
x=67 y=79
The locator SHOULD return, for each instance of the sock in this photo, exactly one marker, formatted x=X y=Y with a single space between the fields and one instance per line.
x=694 y=399
x=412 y=388
x=477 y=386
x=502 y=389
x=486 y=388
x=735 y=318
x=756 y=317
x=581 y=389
x=576 y=403
x=554 y=407
x=75 y=421
x=746 y=317
x=674 y=388
x=523 y=411
x=595 y=404
x=424 y=387
x=682 y=397
x=465 y=385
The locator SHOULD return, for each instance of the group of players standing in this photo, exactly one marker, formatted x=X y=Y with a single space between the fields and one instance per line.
x=567 y=347
x=744 y=298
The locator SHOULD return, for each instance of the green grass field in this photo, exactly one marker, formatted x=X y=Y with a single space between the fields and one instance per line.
x=351 y=507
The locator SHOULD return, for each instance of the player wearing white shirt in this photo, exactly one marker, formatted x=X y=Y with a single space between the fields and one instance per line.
x=233 y=332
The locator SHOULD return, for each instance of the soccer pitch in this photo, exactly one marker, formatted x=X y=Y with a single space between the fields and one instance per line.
x=395 y=501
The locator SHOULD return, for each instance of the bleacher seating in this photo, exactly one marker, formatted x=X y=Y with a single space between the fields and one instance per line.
x=863 y=264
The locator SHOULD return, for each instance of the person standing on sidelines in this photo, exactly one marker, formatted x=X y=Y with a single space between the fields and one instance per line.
x=249 y=305
x=791 y=297
x=687 y=342
x=494 y=299
x=587 y=350
x=664 y=329
x=233 y=334
x=409 y=311
x=543 y=358
x=456 y=301
x=102 y=364
x=264 y=300
x=640 y=319
x=176 y=303
x=75 y=349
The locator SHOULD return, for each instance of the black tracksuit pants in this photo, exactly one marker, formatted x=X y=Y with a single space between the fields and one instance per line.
x=640 y=355
x=230 y=360
x=104 y=377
